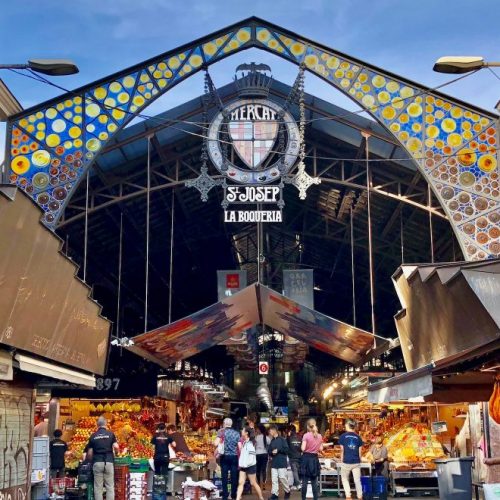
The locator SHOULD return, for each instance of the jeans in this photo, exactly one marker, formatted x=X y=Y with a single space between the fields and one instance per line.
x=345 y=471
x=104 y=472
x=279 y=476
x=229 y=465
x=262 y=459
x=295 y=466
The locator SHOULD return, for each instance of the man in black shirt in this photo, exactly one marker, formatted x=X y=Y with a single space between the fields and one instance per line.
x=161 y=441
x=294 y=453
x=278 y=451
x=102 y=448
x=58 y=448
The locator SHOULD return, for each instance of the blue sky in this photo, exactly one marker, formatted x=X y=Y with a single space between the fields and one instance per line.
x=104 y=36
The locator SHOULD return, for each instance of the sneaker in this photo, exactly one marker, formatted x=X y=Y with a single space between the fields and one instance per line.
x=273 y=497
x=287 y=494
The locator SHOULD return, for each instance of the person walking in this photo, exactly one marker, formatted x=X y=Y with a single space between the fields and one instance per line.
x=58 y=449
x=102 y=448
x=261 y=445
x=312 y=444
x=248 y=462
x=226 y=444
x=278 y=451
x=162 y=441
x=350 y=458
x=294 y=442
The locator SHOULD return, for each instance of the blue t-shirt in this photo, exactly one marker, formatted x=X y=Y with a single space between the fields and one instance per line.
x=231 y=438
x=351 y=443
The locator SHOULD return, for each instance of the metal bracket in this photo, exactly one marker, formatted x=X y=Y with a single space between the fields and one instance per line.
x=203 y=183
x=302 y=181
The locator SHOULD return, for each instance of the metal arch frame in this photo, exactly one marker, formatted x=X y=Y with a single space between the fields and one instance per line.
x=241 y=36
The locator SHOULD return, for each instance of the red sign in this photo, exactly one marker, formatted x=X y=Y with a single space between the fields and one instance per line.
x=263 y=368
x=232 y=280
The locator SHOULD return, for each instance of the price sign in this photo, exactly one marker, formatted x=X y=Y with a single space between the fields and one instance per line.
x=263 y=368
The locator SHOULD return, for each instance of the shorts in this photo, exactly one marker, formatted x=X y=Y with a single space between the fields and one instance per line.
x=249 y=470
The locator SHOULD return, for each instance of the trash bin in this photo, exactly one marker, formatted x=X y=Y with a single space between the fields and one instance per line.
x=455 y=478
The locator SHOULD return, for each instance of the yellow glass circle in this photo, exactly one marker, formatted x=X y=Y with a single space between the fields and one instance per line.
x=92 y=110
x=129 y=82
x=449 y=125
x=75 y=132
x=53 y=140
x=20 y=165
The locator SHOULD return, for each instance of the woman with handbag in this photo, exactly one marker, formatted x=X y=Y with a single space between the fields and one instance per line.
x=248 y=463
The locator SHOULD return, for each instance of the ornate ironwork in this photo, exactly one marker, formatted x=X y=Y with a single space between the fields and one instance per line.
x=302 y=180
x=454 y=145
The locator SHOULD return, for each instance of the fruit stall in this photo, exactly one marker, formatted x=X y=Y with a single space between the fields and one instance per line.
x=412 y=450
x=133 y=421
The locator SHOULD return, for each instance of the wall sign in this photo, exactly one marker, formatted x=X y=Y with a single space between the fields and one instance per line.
x=263 y=368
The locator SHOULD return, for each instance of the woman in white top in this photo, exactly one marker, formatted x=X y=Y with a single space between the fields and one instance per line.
x=247 y=462
x=261 y=445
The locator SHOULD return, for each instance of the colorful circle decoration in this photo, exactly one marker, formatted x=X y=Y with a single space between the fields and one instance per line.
x=456 y=147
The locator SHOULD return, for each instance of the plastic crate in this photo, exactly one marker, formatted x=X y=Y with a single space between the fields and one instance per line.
x=122 y=460
x=40 y=445
x=75 y=494
x=139 y=465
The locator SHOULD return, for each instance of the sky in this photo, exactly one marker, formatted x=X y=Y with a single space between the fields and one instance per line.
x=105 y=36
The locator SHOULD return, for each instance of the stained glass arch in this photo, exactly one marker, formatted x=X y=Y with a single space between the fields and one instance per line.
x=454 y=144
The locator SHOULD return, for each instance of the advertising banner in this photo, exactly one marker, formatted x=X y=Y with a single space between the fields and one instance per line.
x=230 y=282
x=298 y=285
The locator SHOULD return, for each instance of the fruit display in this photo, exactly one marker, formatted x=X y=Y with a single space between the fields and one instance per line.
x=414 y=444
x=494 y=402
x=199 y=445
x=133 y=438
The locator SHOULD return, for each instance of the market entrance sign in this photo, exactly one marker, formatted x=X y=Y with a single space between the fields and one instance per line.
x=253 y=142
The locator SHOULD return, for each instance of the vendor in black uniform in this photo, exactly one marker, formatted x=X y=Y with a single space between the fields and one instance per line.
x=102 y=447
x=58 y=449
x=161 y=441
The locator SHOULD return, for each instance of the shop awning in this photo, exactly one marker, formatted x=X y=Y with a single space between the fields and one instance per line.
x=449 y=310
x=433 y=383
x=44 y=308
x=226 y=321
x=417 y=383
x=33 y=365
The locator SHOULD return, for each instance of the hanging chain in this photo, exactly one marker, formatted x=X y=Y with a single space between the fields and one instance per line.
x=206 y=102
x=302 y=116
x=296 y=96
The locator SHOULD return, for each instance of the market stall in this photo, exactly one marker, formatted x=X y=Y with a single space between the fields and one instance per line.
x=415 y=435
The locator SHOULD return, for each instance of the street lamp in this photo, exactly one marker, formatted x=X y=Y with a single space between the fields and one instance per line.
x=462 y=64
x=51 y=67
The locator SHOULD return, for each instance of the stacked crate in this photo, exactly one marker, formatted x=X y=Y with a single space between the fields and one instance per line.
x=121 y=482
x=160 y=487
x=138 y=486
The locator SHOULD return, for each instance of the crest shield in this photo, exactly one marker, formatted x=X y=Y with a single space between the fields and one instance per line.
x=253 y=140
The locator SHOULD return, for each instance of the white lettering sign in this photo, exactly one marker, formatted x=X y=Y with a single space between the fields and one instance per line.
x=253 y=112
x=253 y=194
x=253 y=216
